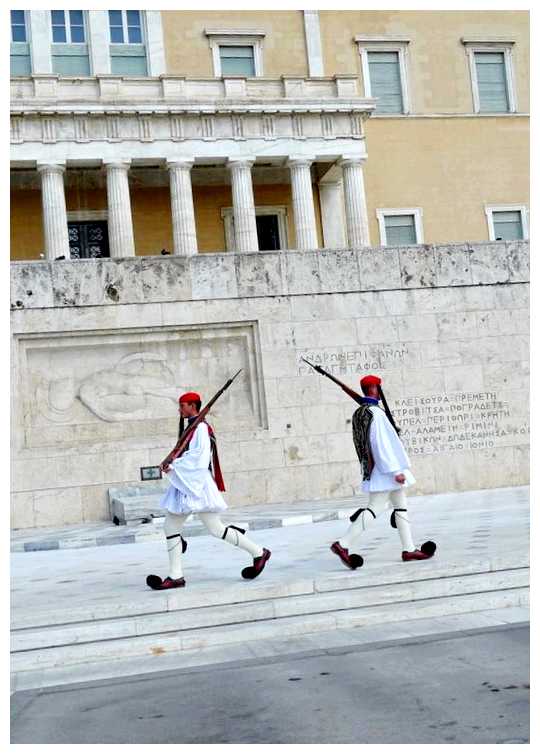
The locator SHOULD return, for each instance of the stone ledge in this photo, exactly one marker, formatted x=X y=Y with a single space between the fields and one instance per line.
x=209 y=276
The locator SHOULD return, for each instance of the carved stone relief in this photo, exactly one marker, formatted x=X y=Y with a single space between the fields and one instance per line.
x=132 y=381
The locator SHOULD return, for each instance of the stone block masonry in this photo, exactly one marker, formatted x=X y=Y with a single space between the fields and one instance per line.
x=102 y=348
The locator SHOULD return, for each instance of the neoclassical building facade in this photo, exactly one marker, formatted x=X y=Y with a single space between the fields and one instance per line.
x=148 y=132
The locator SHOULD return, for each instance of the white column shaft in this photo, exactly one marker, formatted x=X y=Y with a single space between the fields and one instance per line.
x=303 y=206
x=355 y=203
x=182 y=209
x=333 y=215
x=121 y=241
x=55 y=228
x=98 y=26
x=40 y=41
x=245 y=225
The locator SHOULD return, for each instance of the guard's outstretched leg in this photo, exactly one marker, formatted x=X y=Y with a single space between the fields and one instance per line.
x=236 y=536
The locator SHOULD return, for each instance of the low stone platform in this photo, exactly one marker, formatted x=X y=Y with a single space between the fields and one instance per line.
x=107 y=623
x=249 y=517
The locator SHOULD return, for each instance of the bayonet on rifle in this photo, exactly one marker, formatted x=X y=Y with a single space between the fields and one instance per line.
x=350 y=392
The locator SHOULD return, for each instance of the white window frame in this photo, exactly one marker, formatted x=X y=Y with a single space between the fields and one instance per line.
x=280 y=211
x=125 y=27
x=375 y=44
x=418 y=224
x=236 y=38
x=489 y=209
x=504 y=47
x=67 y=26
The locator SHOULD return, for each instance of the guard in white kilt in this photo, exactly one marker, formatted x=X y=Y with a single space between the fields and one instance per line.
x=386 y=473
x=196 y=486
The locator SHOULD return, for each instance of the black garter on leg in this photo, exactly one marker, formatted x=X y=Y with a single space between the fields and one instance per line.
x=184 y=543
x=359 y=511
x=231 y=526
x=393 y=516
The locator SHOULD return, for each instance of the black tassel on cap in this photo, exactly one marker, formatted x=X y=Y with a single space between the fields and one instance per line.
x=387 y=411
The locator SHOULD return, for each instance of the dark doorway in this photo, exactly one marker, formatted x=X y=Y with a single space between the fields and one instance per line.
x=268 y=232
x=88 y=239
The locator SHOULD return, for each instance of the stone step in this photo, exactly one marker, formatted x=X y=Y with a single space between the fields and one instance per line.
x=266 y=609
x=145 y=601
x=188 y=628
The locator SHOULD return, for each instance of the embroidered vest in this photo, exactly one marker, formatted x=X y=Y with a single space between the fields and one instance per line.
x=361 y=422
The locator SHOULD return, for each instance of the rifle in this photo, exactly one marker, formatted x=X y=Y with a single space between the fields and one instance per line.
x=355 y=396
x=187 y=434
x=350 y=392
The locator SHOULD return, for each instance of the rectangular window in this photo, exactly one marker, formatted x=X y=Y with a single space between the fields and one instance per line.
x=18 y=26
x=400 y=227
x=20 y=64
x=128 y=51
x=385 y=80
x=507 y=226
x=400 y=230
x=69 y=49
x=125 y=27
x=67 y=27
x=491 y=80
x=237 y=60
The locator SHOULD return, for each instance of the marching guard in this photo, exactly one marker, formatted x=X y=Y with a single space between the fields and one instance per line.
x=196 y=484
x=386 y=473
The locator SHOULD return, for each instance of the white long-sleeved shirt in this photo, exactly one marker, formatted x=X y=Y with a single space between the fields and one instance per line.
x=193 y=489
x=389 y=456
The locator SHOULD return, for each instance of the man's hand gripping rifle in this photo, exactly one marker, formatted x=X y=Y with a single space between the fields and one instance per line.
x=185 y=437
x=350 y=392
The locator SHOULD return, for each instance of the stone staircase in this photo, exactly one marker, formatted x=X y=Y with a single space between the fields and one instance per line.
x=96 y=638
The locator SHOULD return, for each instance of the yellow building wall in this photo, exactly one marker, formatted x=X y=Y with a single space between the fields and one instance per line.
x=26 y=226
x=188 y=53
x=439 y=77
x=450 y=168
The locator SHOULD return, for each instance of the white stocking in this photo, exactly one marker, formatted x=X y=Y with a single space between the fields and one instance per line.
x=216 y=527
x=173 y=527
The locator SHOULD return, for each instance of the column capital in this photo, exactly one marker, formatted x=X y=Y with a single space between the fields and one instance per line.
x=180 y=162
x=240 y=162
x=356 y=160
x=300 y=161
x=51 y=167
x=119 y=164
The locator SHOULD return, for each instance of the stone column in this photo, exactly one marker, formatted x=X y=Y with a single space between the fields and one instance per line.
x=121 y=241
x=183 y=213
x=303 y=207
x=355 y=201
x=333 y=214
x=245 y=226
x=55 y=228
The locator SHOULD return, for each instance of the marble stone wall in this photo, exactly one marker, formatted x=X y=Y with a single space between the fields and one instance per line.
x=101 y=349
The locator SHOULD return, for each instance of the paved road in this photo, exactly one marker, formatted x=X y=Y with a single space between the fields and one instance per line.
x=467 y=687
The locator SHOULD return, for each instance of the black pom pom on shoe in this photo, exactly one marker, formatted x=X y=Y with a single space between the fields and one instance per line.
x=153 y=581
x=428 y=548
x=356 y=561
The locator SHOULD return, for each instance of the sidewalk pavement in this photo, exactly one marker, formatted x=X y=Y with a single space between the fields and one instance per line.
x=483 y=524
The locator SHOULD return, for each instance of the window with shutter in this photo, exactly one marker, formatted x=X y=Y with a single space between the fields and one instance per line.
x=128 y=50
x=400 y=230
x=20 y=49
x=492 y=84
x=385 y=80
x=507 y=226
x=69 y=49
x=237 y=60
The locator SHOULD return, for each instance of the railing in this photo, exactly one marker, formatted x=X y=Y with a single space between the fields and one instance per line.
x=169 y=88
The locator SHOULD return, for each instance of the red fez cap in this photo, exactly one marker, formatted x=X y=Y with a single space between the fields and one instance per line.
x=189 y=398
x=370 y=379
